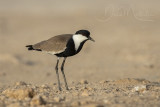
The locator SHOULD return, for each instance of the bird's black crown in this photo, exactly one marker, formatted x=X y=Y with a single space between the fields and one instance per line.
x=83 y=32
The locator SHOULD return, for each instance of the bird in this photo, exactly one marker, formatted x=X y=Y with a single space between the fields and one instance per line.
x=64 y=45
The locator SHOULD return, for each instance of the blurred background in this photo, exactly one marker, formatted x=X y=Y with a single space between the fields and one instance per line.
x=126 y=32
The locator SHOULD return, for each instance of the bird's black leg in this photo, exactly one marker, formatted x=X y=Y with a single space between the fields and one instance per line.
x=56 y=68
x=62 y=70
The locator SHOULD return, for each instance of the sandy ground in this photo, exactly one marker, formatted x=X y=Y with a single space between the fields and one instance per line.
x=127 y=46
x=120 y=93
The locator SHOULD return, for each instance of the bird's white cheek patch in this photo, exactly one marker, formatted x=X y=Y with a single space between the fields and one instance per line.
x=78 y=39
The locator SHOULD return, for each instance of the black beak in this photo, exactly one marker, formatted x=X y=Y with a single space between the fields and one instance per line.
x=91 y=39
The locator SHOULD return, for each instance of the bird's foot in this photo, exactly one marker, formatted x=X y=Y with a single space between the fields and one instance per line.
x=60 y=89
x=67 y=88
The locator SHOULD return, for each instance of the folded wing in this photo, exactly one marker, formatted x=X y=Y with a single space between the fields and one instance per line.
x=53 y=45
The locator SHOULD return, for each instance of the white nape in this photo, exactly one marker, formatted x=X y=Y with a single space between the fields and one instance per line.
x=78 y=38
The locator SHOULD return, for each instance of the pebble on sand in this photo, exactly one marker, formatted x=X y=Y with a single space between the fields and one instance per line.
x=85 y=93
x=19 y=94
x=84 y=82
x=59 y=99
x=140 y=89
x=103 y=81
x=20 y=83
x=38 y=100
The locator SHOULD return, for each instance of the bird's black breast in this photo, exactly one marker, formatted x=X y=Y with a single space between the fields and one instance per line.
x=69 y=51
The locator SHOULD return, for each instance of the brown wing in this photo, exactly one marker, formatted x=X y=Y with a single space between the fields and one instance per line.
x=55 y=44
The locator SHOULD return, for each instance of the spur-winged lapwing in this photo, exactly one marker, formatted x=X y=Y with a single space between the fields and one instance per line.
x=64 y=45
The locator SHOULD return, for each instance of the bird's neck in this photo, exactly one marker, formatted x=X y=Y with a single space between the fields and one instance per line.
x=79 y=40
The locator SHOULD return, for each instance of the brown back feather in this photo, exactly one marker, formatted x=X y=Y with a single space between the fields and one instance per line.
x=55 y=44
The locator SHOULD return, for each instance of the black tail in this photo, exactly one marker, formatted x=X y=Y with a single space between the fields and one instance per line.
x=30 y=47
